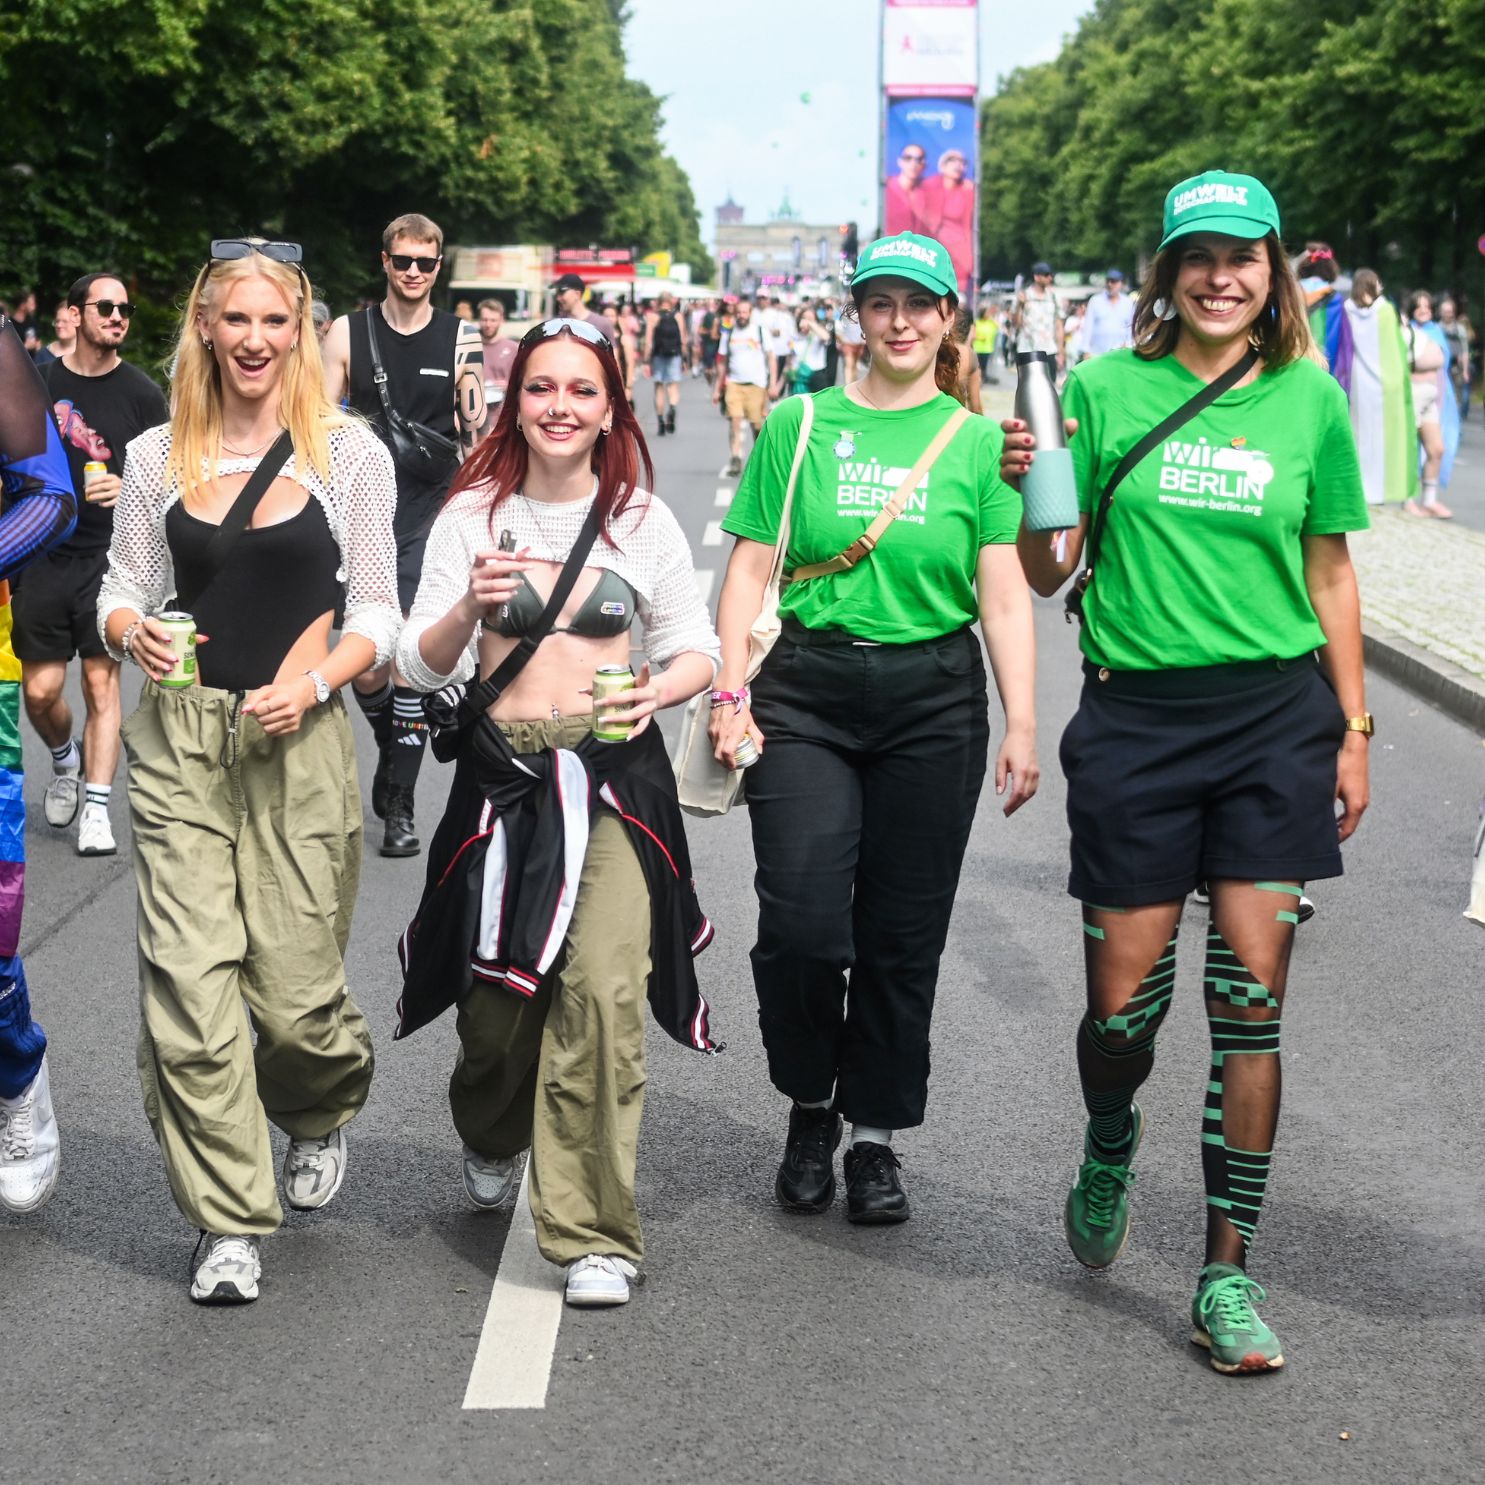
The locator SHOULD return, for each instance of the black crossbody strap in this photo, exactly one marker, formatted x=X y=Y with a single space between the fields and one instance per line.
x=378 y=372
x=1157 y=435
x=489 y=690
x=235 y=522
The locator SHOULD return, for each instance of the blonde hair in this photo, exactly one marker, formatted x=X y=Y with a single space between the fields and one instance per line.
x=196 y=386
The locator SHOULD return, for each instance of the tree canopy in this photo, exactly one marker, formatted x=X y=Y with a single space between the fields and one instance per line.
x=137 y=132
x=1362 y=116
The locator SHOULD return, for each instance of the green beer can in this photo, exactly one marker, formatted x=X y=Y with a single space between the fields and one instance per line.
x=182 y=631
x=609 y=681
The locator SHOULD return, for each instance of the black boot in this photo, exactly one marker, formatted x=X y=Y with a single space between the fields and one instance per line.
x=806 y=1179
x=398 y=838
x=659 y=426
x=381 y=781
x=670 y=421
x=873 y=1192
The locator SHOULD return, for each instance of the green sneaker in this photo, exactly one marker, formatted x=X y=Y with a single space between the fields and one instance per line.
x=1224 y=1321
x=1097 y=1214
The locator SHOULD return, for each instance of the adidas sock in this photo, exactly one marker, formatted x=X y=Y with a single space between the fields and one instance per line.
x=409 y=735
x=864 y=1134
x=67 y=758
x=98 y=794
x=376 y=707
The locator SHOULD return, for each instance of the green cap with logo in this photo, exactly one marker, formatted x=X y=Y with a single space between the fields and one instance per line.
x=1237 y=205
x=909 y=256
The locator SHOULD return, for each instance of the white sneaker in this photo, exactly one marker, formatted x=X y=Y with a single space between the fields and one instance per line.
x=599 y=1279
x=94 y=832
x=63 y=796
x=229 y=1273
x=488 y=1183
x=30 y=1147
x=313 y=1171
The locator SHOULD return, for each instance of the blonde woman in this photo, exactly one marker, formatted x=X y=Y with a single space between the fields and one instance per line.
x=242 y=786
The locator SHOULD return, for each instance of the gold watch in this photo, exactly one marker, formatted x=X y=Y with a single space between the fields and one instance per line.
x=1362 y=724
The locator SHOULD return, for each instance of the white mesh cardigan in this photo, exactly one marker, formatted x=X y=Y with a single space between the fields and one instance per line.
x=358 y=503
x=652 y=556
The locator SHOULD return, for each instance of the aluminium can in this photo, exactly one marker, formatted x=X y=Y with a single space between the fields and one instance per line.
x=182 y=631
x=91 y=471
x=609 y=681
x=746 y=752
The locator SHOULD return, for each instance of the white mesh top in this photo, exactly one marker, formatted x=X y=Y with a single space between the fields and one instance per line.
x=358 y=506
x=652 y=556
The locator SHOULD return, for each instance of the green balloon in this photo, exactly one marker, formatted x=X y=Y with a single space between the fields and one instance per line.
x=804 y=97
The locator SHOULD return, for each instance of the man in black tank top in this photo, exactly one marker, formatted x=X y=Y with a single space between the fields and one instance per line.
x=435 y=388
x=666 y=348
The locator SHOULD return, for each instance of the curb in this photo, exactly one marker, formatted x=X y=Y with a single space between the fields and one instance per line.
x=1439 y=682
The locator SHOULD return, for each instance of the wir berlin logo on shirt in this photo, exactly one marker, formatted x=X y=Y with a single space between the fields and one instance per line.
x=863 y=487
x=1204 y=476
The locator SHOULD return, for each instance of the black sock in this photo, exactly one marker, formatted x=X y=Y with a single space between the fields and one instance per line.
x=409 y=736
x=376 y=707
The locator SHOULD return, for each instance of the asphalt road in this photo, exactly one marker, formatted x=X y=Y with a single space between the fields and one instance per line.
x=964 y=1346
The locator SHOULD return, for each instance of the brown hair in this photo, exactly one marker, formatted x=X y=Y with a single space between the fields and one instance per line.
x=1366 y=287
x=1280 y=334
x=492 y=304
x=415 y=227
x=946 y=361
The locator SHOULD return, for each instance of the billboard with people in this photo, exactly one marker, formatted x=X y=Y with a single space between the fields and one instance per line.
x=932 y=165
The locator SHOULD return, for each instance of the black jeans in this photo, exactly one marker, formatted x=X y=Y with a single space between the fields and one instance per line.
x=861 y=806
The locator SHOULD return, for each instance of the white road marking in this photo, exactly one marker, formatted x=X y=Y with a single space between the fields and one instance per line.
x=725 y=494
x=705 y=578
x=712 y=536
x=513 y=1363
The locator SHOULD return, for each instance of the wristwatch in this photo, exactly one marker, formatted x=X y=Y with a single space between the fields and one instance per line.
x=1362 y=724
x=322 y=688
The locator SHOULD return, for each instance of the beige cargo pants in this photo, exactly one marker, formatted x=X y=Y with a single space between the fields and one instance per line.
x=564 y=1072
x=247 y=855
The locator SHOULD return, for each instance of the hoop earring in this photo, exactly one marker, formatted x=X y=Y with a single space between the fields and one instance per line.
x=605 y=431
x=1163 y=310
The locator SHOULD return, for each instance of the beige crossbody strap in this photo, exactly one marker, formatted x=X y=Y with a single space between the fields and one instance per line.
x=862 y=547
x=781 y=545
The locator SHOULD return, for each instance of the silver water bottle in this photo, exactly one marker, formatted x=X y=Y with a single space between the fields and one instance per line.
x=1049 y=490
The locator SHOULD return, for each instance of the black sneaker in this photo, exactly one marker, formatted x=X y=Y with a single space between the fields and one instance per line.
x=873 y=1192
x=398 y=839
x=381 y=781
x=806 y=1179
x=734 y=467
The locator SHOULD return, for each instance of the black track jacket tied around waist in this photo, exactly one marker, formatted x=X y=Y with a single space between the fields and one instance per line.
x=503 y=874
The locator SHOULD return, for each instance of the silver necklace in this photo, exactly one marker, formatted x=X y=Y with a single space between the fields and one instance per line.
x=541 y=529
x=246 y=453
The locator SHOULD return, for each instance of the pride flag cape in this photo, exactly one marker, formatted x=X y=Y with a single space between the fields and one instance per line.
x=1331 y=329
x=1381 y=396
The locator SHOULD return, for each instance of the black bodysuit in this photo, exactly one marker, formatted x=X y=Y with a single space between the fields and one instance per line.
x=608 y=610
x=276 y=582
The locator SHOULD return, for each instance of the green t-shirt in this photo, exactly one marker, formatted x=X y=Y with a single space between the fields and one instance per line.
x=919 y=582
x=1201 y=561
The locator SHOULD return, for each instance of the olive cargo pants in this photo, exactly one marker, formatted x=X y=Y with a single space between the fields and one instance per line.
x=247 y=856
x=564 y=1072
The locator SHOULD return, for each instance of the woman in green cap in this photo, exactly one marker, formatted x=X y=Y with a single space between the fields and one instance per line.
x=1223 y=710
x=870 y=716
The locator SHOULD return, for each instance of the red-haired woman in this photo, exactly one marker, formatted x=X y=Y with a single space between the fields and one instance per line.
x=559 y=885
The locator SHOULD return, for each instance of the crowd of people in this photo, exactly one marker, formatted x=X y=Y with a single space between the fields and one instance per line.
x=460 y=529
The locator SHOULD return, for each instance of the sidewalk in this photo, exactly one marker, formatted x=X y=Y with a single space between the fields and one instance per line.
x=1422 y=586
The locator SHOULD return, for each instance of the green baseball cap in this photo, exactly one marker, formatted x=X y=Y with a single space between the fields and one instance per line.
x=1237 y=205
x=910 y=256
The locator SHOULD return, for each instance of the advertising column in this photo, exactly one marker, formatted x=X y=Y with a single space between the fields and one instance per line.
x=930 y=125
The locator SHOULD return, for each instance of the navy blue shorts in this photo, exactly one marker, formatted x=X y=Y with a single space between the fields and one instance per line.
x=1177 y=777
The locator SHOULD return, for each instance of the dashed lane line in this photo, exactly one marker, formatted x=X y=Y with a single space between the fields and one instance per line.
x=724 y=495
x=712 y=536
x=513 y=1362
x=706 y=577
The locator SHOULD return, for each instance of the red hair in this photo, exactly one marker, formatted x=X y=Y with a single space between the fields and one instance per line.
x=619 y=456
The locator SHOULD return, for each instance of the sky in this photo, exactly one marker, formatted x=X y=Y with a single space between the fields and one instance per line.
x=732 y=76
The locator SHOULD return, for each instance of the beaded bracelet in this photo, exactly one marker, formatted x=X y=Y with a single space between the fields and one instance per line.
x=126 y=640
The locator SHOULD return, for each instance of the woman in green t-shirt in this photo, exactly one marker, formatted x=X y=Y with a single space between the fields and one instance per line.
x=1209 y=743
x=870 y=716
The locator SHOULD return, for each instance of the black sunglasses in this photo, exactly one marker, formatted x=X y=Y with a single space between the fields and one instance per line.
x=226 y=249
x=106 y=308
x=581 y=328
x=403 y=261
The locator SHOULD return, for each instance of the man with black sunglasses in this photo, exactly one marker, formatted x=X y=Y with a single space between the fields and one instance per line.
x=100 y=402
x=428 y=408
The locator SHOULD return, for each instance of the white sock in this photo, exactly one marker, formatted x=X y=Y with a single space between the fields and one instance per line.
x=1430 y=492
x=98 y=794
x=866 y=1134
x=66 y=759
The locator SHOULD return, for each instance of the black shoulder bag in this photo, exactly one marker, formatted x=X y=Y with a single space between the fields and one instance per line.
x=454 y=709
x=417 y=450
x=1073 y=603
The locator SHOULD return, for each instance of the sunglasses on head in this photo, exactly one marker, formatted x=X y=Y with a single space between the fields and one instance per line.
x=403 y=261
x=581 y=328
x=227 y=249
x=106 y=308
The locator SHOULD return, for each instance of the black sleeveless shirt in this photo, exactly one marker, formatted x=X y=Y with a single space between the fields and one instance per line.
x=277 y=581
x=420 y=377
